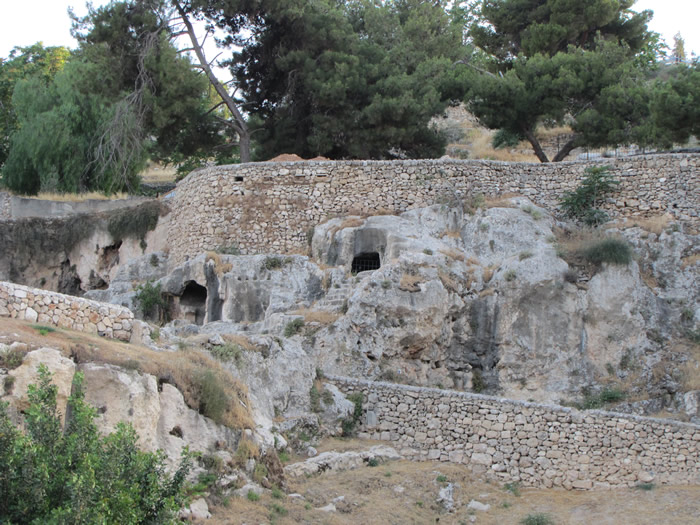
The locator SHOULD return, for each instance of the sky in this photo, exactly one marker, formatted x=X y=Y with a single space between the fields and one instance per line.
x=23 y=23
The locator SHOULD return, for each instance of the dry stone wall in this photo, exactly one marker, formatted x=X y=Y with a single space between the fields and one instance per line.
x=538 y=445
x=272 y=207
x=65 y=311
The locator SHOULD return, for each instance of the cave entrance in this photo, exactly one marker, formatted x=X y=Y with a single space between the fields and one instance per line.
x=365 y=262
x=193 y=302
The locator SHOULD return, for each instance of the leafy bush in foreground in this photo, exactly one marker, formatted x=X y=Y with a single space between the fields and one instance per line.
x=73 y=475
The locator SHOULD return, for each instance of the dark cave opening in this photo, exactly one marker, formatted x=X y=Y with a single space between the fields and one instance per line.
x=365 y=262
x=193 y=302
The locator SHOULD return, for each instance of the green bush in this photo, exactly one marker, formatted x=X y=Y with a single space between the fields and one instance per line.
x=608 y=250
x=581 y=204
x=149 y=298
x=134 y=222
x=349 y=423
x=604 y=397
x=293 y=327
x=228 y=352
x=315 y=399
x=74 y=475
x=273 y=262
x=478 y=383
x=252 y=496
x=213 y=400
x=537 y=519
x=11 y=359
x=43 y=330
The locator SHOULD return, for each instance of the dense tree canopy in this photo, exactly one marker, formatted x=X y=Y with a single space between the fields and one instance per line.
x=23 y=63
x=559 y=62
x=125 y=94
x=354 y=79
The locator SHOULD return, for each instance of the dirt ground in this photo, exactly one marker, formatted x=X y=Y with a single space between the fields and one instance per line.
x=403 y=492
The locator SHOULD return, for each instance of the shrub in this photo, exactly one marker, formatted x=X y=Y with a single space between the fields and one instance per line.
x=608 y=250
x=478 y=384
x=273 y=262
x=604 y=397
x=43 y=330
x=233 y=249
x=293 y=327
x=7 y=383
x=315 y=399
x=149 y=298
x=213 y=400
x=73 y=474
x=259 y=472
x=537 y=519
x=277 y=493
x=581 y=204
x=327 y=397
x=252 y=496
x=279 y=509
x=441 y=478
x=11 y=359
x=510 y=275
x=134 y=222
x=228 y=352
x=513 y=488
x=348 y=424
x=428 y=251
x=373 y=462
x=645 y=486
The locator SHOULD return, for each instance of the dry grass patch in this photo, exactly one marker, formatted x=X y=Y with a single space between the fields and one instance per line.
x=654 y=224
x=205 y=384
x=220 y=267
x=481 y=148
x=317 y=316
x=448 y=281
x=452 y=234
x=452 y=254
x=502 y=201
x=690 y=260
x=410 y=283
x=77 y=197
x=487 y=292
x=487 y=273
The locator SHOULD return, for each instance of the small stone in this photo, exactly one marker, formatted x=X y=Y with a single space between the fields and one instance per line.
x=477 y=505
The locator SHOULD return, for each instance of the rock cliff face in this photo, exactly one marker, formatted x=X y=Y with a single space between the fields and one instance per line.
x=488 y=301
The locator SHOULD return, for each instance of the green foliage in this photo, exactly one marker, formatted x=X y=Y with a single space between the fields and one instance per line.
x=279 y=509
x=259 y=472
x=273 y=262
x=228 y=352
x=537 y=519
x=252 y=496
x=599 y=400
x=327 y=397
x=608 y=250
x=293 y=327
x=35 y=62
x=7 y=383
x=428 y=251
x=478 y=383
x=231 y=249
x=349 y=423
x=349 y=79
x=74 y=475
x=150 y=299
x=645 y=486
x=315 y=399
x=582 y=203
x=213 y=399
x=373 y=462
x=504 y=138
x=277 y=493
x=558 y=63
x=11 y=359
x=512 y=487
x=510 y=275
x=134 y=222
x=441 y=478
x=43 y=330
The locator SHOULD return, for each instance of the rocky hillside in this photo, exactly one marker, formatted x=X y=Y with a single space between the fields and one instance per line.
x=494 y=297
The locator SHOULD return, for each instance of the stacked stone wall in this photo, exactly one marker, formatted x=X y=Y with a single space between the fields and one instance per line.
x=65 y=311
x=538 y=445
x=272 y=207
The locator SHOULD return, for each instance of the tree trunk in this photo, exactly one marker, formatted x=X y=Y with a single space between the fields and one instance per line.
x=565 y=150
x=239 y=123
x=535 y=145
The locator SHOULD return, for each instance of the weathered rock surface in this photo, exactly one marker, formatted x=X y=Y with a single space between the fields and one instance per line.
x=340 y=461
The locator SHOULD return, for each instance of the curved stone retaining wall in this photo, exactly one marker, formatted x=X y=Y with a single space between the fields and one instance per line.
x=538 y=445
x=65 y=311
x=272 y=207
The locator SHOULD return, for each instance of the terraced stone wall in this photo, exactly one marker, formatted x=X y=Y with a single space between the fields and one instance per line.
x=538 y=445
x=65 y=311
x=273 y=207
